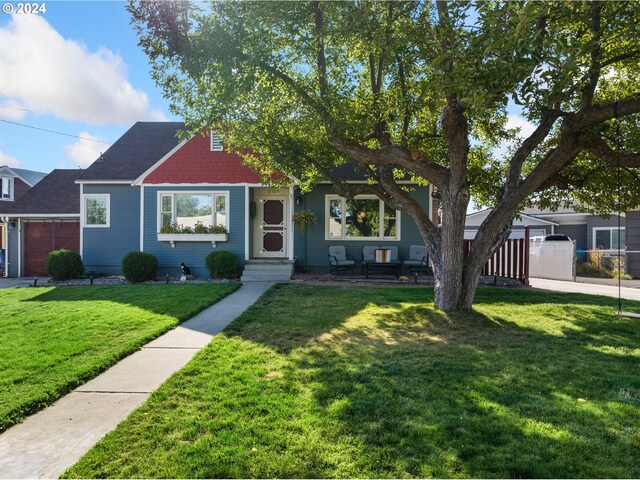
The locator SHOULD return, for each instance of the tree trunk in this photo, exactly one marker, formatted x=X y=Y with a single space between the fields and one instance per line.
x=454 y=289
x=456 y=295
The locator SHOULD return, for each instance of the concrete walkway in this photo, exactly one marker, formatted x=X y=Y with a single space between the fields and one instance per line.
x=21 y=282
x=50 y=441
x=588 y=288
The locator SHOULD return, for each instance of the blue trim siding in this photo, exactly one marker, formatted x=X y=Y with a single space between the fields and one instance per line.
x=317 y=248
x=193 y=253
x=103 y=248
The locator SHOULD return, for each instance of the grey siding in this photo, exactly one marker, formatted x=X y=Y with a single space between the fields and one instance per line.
x=317 y=248
x=575 y=232
x=193 y=253
x=103 y=248
x=633 y=243
x=595 y=221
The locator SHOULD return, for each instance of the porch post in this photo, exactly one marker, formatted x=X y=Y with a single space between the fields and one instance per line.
x=290 y=242
x=247 y=223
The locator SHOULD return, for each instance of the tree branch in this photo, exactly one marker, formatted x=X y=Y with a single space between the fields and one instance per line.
x=600 y=113
x=594 y=69
x=619 y=58
x=395 y=156
x=527 y=147
x=405 y=102
x=402 y=200
x=596 y=145
x=321 y=61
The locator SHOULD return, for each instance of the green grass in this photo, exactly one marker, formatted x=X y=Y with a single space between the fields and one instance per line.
x=355 y=382
x=54 y=339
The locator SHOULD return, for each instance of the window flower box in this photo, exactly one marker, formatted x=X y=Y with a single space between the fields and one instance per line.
x=192 y=237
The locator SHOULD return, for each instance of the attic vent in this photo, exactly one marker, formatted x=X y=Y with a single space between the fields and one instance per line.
x=216 y=142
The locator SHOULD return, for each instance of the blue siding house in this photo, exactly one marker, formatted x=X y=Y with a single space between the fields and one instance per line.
x=182 y=199
x=150 y=185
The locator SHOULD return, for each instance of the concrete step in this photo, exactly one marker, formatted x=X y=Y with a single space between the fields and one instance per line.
x=269 y=268
x=265 y=278
x=273 y=261
x=268 y=271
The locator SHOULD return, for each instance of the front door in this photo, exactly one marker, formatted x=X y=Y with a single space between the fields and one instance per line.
x=272 y=227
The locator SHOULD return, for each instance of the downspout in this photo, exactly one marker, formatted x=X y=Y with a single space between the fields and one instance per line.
x=82 y=213
x=290 y=240
x=6 y=246
x=19 y=226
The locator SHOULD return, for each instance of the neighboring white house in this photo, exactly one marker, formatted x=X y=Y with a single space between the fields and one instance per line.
x=537 y=226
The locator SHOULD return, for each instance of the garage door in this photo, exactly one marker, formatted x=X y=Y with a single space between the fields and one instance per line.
x=43 y=236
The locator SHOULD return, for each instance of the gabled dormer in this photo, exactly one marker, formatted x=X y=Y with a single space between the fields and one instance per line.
x=15 y=182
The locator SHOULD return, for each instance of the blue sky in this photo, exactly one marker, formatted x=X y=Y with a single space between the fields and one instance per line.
x=75 y=69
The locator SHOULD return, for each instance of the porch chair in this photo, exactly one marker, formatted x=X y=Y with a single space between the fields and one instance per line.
x=339 y=261
x=368 y=255
x=418 y=260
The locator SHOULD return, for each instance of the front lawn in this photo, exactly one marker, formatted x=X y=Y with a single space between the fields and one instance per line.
x=54 y=339
x=356 y=382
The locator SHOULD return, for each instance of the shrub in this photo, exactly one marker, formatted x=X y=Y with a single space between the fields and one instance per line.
x=64 y=265
x=139 y=266
x=222 y=264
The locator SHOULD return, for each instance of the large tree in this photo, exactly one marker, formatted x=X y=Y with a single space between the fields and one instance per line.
x=421 y=89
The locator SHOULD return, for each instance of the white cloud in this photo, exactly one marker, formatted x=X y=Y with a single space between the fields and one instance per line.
x=525 y=129
x=10 y=110
x=516 y=121
x=10 y=161
x=48 y=74
x=85 y=151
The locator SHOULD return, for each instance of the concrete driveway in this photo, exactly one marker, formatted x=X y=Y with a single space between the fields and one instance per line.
x=21 y=282
x=588 y=288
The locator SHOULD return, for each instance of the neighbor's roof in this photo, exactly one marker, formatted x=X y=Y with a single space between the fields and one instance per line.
x=547 y=211
x=57 y=193
x=138 y=149
x=30 y=176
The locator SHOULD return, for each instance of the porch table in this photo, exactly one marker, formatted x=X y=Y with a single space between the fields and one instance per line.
x=392 y=267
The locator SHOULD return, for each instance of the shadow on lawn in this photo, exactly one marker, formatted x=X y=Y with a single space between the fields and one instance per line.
x=425 y=393
x=179 y=301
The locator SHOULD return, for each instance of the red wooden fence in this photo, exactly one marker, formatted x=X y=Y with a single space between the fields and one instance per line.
x=511 y=260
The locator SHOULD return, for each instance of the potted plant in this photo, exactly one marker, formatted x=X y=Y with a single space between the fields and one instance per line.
x=305 y=217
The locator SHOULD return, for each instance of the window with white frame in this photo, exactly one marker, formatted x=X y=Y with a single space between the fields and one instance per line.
x=216 y=142
x=6 y=188
x=96 y=210
x=188 y=209
x=607 y=238
x=363 y=218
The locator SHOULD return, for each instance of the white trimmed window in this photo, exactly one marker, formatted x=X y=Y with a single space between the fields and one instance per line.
x=364 y=218
x=607 y=238
x=216 y=142
x=188 y=209
x=6 y=188
x=96 y=210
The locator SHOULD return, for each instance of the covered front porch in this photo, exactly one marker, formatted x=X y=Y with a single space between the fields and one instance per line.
x=270 y=242
x=270 y=226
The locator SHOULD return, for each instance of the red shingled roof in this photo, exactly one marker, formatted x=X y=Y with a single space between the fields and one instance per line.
x=195 y=163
